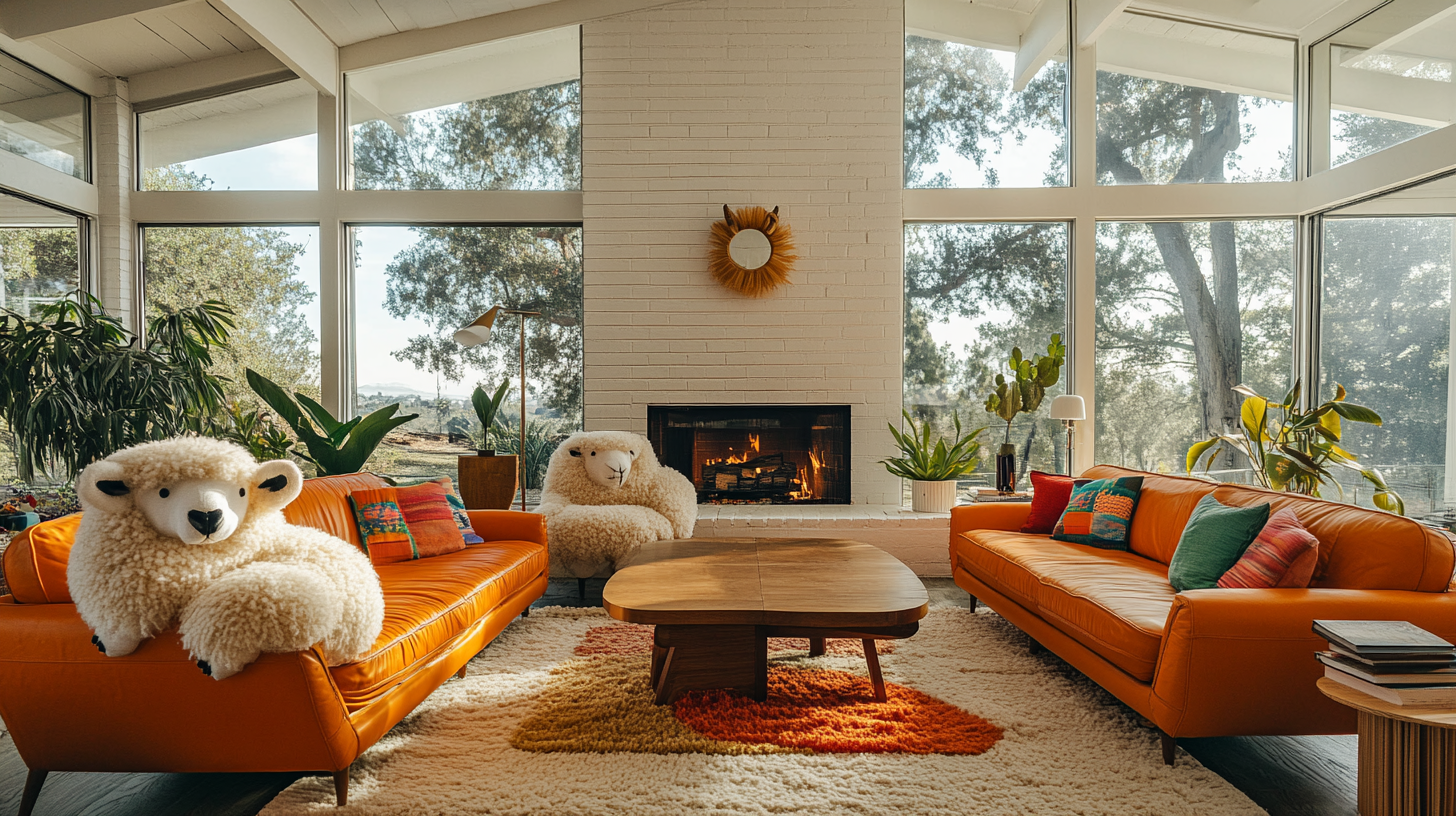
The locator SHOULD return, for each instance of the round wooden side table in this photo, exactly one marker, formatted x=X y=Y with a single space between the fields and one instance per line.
x=1407 y=756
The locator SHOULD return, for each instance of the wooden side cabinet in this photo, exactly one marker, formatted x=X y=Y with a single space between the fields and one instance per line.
x=1407 y=756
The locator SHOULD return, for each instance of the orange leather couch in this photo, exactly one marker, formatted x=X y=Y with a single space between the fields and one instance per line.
x=1207 y=662
x=70 y=708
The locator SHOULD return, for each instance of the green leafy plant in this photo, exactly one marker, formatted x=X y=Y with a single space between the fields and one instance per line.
x=252 y=428
x=77 y=386
x=1293 y=449
x=938 y=462
x=333 y=447
x=542 y=437
x=1030 y=379
x=487 y=407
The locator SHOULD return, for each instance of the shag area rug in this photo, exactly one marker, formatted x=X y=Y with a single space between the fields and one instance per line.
x=555 y=717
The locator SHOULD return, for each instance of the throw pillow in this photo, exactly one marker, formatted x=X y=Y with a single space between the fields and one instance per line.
x=1099 y=513
x=429 y=517
x=1213 y=540
x=1050 y=493
x=457 y=508
x=382 y=528
x=1284 y=555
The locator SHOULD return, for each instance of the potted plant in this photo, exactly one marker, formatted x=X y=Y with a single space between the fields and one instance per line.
x=933 y=469
x=487 y=481
x=1022 y=394
x=333 y=447
x=1292 y=449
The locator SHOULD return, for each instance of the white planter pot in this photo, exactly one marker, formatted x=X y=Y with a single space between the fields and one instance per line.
x=933 y=497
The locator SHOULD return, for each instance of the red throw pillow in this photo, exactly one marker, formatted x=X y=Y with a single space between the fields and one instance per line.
x=431 y=520
x=1050 y=493
x=1284 y=555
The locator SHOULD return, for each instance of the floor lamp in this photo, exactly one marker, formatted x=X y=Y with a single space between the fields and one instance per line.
x=1070 y=409
x=477 y=333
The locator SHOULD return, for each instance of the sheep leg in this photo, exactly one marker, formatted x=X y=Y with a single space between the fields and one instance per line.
x=264 y=607
x=116 y=642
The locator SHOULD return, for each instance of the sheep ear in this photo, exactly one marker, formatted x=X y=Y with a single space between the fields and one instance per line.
x=102 y=486
x=276 y=483
x=575 y=452
x=112 y=487
x=279 y=482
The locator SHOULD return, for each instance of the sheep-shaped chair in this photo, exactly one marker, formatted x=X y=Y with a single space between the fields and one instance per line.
x=606 y=495
x=190 y=532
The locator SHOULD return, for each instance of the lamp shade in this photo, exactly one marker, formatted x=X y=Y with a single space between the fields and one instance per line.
x=1069 y=406
x=479 y=329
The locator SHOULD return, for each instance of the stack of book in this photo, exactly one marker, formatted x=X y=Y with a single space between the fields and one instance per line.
x=1394 y=661
x=987 y=494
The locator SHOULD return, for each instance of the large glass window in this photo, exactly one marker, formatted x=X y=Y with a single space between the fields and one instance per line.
x=1390 y=77
x=973 y=292
x=42 y=119
x=259 y=139
x=269 y=276
x=40 y=254
x=1183 y=103
x=504 y=115
x=1185 y=312
x=415 y=286
x=968 y=123
x=1385 y=335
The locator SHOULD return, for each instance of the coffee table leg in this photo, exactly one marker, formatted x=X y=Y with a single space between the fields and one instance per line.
x=660 y=691
x=760 y=664
x=816 y=647
x=872 y=659
x=1405 y=768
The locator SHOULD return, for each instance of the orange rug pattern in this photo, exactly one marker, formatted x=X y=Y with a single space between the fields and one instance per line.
x=632 y=638
x=835 y=712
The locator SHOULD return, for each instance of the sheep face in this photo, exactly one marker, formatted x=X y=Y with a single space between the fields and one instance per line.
x=608 y=467
x=196 y=511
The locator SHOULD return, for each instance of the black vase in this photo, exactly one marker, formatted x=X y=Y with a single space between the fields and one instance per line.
x=1006 y=469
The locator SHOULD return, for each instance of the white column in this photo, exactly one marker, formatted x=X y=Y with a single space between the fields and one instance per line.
x=1082 y=292
x=1451 y=384
x=336 y=355
x=114 y=174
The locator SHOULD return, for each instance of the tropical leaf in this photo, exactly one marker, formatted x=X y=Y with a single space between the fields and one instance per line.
x=1356 y=413
x=1196 y=452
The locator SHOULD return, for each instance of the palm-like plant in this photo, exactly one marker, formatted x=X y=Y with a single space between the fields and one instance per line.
x=1293 y=449
x=938 y=462
x=487 y=407
x=334 y=447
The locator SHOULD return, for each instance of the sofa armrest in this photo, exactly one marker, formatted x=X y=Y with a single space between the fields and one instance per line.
x=70 y=708
x=1007 y=516
x=508 y=525
x=1241 y=661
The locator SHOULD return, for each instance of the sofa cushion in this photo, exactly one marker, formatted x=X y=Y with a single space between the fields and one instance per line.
x=1113 y=602
x=324 y=504
x=1283 y=555
x=1050 y=493
x=1100 y=512
x=1164 y=505
x=430 y=601
x=35 y=562
x=1216 y=537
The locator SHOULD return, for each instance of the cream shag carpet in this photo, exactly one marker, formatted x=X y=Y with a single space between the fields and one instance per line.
x=1068 y=747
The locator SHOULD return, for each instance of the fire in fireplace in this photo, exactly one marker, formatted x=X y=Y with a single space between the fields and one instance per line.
x=756 y=454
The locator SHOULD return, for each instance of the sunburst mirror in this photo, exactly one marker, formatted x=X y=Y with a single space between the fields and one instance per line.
x=751 y=251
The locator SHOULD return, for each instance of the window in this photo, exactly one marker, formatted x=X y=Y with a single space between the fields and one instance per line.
x=1185 y=312
x=1182 y=103
x=259 y=139
x=1390 y=78
x=42 y=119
x=1385 y=335
x=972 y=293
x=40 y=254
x=505 y=115
x=415 y=286
x=269 y=276
x=967 y=121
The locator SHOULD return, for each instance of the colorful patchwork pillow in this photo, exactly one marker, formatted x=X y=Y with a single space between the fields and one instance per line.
x=1099 y=513
x=457 y=508
x=382 y=526
x=1050 y=493
x=429 y=517
x=1284 y=555
x=1213 y=540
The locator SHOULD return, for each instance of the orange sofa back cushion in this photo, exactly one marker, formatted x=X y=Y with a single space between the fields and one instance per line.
x=1163 y=509
x=324 y=504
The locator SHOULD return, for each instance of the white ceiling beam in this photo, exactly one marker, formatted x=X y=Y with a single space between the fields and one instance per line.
x=199 y=80
x=23 y=19
x=289 y=35
x=965 y=23
x=1392 y=41
x=49 y=185
x=425 y=41
x=1046 y=34
x=67 y=72
x=1095 y=17
x=1427 y=155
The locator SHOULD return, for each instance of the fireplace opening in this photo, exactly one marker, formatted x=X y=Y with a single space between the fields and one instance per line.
x=756 y=454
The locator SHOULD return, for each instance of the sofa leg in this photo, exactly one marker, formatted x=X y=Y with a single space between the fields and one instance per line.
x=526 y=613
x=1034 y=647
x=461 y=674
x=1170 y=747
x=974 y=603
x=341 y=787
x=33 y=781
x=581 y=588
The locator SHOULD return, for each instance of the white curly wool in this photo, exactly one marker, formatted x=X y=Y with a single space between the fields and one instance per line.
x=591 y=527
x=270 y=586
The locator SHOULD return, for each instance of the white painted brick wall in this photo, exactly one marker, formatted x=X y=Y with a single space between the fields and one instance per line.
x=788 y=103
x=112 y=154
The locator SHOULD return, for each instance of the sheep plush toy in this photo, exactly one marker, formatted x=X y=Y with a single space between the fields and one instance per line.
x=190 y=532
x=606 y=495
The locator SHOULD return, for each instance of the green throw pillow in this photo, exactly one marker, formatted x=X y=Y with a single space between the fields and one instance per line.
x=1212 y=542
x=1099 y=514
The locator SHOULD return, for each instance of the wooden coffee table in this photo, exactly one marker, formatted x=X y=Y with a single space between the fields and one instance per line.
x=1407 y=755
x=715 y=602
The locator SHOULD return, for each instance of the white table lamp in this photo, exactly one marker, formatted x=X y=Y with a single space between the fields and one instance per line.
x=1070 y=409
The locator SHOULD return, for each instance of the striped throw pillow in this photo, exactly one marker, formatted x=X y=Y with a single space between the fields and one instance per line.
x=431 y=521
x=1283 y=555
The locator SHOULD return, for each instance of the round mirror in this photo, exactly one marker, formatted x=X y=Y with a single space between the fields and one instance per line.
x=750 y=249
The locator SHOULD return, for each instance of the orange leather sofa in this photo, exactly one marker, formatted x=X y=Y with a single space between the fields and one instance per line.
x=70 y=708
x=1207 y=662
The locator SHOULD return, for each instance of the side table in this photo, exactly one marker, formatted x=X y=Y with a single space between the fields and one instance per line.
x=1407 y=756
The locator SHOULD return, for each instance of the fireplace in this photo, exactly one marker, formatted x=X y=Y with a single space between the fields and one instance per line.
x=756 y=454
